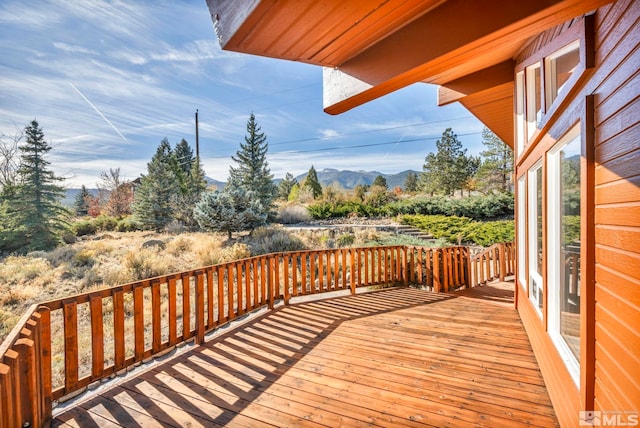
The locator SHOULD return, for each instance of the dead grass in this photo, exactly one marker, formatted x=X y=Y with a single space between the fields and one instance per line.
x=116 y=258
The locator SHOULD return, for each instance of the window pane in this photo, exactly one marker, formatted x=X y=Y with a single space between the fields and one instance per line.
x=570 y=245
x=559 y=68
x=534 y=103
x=539 y=218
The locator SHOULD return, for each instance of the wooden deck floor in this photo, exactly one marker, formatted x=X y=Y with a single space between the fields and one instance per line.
x=398 y=357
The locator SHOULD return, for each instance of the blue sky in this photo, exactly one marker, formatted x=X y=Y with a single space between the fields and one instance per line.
x=108 y=80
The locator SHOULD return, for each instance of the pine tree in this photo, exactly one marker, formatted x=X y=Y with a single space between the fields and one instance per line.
x=252 y=173
x=35 y=210
x=497 y=165
x=380 y=181
x=232 y=210
x=285 y=186
x=191 y=181
x=311 y=182
x=411 y=182
x=153 y=202
x=448 y=169
x=81 y=203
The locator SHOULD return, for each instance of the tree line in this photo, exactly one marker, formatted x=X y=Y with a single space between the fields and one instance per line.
x=174 y=191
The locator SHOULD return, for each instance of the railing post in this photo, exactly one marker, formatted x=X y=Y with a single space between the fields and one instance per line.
x=352 y=277
x=27 y=379
x=436 y=270
x=45 y=363
x=503 y=262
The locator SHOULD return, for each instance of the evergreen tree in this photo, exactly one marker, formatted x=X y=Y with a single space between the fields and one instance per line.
x=285 y=186
x=81 y=203
x=231 y=210
x=191 y=181
x=154 y=199
x=34 y=211
x=448 y=169
x=380 y=181
x=497 y=166
x=252 y=173
x=311 y=182
x=411 y=183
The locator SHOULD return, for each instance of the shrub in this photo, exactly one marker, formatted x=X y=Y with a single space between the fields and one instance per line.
x=462 y=229
x=147 y=263
x=265 y=240
x=83 y=227
x=291 y=214
x=345 y=240
x=128 y=224
x=105 y=223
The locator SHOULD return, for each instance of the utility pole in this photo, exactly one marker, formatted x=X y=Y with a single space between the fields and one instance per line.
x=197 y=140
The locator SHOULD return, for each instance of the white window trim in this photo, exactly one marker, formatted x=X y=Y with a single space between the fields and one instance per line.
x=553 y=254
x=550 y=70
x=532 y=215
x=520 y=112
x=522 y=229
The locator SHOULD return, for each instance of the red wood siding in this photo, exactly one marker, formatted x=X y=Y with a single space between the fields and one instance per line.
x=611 y=318
x=616 y=86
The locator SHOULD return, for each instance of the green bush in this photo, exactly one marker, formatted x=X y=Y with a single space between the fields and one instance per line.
x=84 y=227
x=462 y=229
x=105 y=223
x=128 y=224
x=345 y=240
x=475 y=207
x=265 y=240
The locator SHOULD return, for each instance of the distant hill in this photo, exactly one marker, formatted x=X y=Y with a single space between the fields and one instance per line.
x=350 y=179
x=346 y=179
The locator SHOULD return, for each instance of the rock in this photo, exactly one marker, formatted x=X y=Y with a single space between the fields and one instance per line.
x=69 y=238
x=154 y=243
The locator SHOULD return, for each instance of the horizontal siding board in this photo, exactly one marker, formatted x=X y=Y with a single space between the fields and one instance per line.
x=621 y=306
x=626 y=214
x=623 y=135
x=627 y=238
x=626 y=94
x=619 y=191
x=619 y=260
x=626 y=334
x=619 y=379
x=619 y=168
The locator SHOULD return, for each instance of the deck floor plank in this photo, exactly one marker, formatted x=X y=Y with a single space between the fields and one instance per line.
x=398 y=357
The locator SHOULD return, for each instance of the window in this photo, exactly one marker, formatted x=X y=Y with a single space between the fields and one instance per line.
x=545 y=76
x=533 y=87
x=534 y=209
x=559 y=67
x=563 y=255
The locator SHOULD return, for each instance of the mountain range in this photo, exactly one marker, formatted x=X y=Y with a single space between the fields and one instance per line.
x=345 y=179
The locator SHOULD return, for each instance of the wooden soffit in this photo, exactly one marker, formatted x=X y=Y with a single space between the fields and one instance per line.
x=374 y=47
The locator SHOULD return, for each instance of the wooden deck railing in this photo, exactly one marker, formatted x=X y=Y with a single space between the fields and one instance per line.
x=495 y=262
x=63 y=346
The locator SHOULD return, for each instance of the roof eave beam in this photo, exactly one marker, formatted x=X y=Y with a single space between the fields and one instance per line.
x=476 y=82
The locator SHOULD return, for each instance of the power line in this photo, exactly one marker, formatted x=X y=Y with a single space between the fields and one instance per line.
x=358 y=146
x=369 y=131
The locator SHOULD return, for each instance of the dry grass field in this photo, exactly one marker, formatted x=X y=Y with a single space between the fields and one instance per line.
x=114 y=258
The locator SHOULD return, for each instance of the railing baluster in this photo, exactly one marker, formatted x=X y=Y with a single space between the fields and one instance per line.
x=118 y=329
x=173 y=316
x=70 y=344
x=239 y=285
x=247 y=284
x=156 y=319
x=186 y=305
x=210 y=302
x=138 y=321
x=97 y=337
x=7 y=405
x=45 y=361
x=200 y=326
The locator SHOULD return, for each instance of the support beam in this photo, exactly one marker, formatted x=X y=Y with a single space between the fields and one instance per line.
x=479 y=81
x=487 y=32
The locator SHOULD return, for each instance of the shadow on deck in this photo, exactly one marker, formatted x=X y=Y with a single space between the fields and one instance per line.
x=397 y=357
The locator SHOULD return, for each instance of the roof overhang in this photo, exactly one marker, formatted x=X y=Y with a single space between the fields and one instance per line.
x=371 y=48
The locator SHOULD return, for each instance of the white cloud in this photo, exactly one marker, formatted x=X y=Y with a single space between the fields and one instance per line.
x=72 y=48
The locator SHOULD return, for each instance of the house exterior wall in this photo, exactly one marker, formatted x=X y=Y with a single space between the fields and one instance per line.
x=606 y=103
